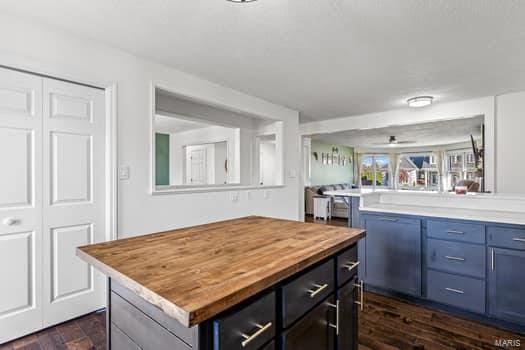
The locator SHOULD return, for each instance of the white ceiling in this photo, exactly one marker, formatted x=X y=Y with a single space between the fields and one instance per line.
x=328 y=58
x=422 y=135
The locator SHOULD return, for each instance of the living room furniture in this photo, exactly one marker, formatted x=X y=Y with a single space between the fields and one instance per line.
x=322 y=207
x=339 y=207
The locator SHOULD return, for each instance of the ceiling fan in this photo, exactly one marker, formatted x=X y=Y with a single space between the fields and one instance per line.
x=393 y=141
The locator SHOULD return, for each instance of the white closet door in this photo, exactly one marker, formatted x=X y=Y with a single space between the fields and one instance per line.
x=20 y=204
x=74 y=201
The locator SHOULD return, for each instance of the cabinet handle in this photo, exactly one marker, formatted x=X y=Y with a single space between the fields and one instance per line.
x=337 y=308
x=389 y=219
x=249 y=338
x=492 y=260
x=320 y=288
x=351 y=265
x=454 y=258
x=455 y=290
x=518 y=239
x=456 y=232
x=361 y=301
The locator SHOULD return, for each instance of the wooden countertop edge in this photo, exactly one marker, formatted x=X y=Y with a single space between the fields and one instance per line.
x=154 y=299
x=195 y=317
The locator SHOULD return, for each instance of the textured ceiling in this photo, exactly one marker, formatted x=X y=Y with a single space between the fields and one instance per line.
x=420 y=135
x=327 y=58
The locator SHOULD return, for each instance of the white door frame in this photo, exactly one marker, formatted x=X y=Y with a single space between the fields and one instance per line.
x=110 y=89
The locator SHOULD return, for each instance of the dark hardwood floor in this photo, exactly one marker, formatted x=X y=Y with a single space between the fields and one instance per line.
x=385 y=324
x=88 y=332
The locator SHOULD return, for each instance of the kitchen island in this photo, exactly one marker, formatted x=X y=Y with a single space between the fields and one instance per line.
x=249 y=283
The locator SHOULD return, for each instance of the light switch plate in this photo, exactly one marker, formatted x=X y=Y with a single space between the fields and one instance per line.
x=123 y=172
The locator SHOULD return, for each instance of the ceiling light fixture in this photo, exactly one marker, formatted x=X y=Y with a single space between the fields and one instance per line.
x=420 y=101
x=241 y=1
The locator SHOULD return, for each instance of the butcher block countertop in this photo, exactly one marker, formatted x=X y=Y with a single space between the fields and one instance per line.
x=193 y=274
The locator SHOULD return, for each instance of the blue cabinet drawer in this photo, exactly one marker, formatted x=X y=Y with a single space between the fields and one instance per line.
x=462 y=292
x=456 y=257
x=506 y=237
x=458 y=231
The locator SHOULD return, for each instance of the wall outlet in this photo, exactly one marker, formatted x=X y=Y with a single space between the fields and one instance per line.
x=249 y=194
x=235 y=197
x=266 y=194
x=123 y=172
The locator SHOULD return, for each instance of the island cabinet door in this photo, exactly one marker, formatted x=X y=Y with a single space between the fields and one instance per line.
x=315 y=331
x=506 y=285
x=347 y=313
x=393 y=253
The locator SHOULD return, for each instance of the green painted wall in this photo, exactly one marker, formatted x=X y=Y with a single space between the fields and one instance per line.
x=162 y=159
x=326 y=174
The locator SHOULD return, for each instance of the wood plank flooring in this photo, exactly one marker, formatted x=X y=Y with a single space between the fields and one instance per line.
x=385 y=324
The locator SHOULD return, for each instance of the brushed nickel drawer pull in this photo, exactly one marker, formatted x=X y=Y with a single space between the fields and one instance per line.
x=351 y=265
x=361 y=302
x=336 y=325
x=320 y=288
x=456 y=232
x=249 y=338
x=389 y=219
x=492 y=259
x=454 y=258
x=518 y=239
x=455 y=290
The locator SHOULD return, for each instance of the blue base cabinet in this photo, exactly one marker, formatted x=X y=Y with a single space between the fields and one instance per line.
x=506 y=284
x=393 y=253
x=476 y=268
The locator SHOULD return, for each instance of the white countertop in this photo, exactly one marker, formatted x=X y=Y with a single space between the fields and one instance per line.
x=509 y=209
x=354 y=192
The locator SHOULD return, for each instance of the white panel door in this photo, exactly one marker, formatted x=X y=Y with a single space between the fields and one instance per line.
x=20 y=204
x=198 y=166
x=74 y=200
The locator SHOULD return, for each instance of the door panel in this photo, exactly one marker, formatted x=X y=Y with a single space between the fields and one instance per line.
x=16 y=180
x=313 y=331
x=347 y=295
x=65 y=265
x=20 y=294
x=393 y=254
x=71 y=157
x=506 y=285
x=20 y=204
x=74 y=202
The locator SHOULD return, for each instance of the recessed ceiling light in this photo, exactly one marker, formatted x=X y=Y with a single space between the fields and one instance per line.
x=420 y=101
x=241 y=1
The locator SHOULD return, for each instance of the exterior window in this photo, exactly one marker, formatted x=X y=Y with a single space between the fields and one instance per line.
x=375 y=171
x=461 y=167
x=418 y=172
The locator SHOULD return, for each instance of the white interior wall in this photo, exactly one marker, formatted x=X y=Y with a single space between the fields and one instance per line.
x=28 y=45
x=510 y=141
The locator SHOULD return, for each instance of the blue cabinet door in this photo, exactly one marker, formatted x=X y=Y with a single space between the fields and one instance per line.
x=506 y=284
x=393 y=253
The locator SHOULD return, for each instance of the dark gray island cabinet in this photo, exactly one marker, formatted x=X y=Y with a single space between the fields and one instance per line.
x=316 y=309
x=303 y=290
